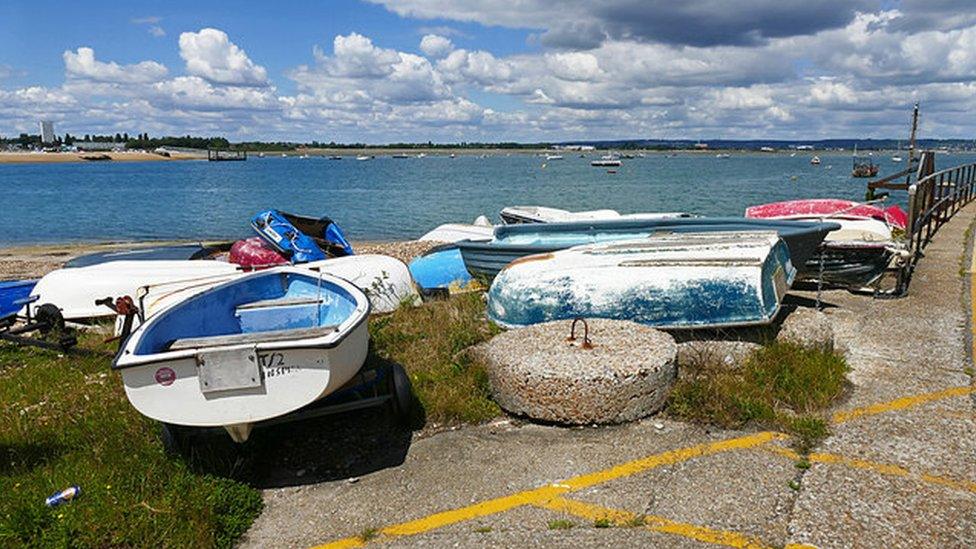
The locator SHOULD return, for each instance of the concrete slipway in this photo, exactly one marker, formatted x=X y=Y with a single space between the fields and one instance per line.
x=898 y=471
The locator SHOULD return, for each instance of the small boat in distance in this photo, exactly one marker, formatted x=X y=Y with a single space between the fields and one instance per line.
x=606 y=161
x=815 y=160
x=335 y=157
x=554 y=157
x=363 y=158
x=695 y=280
x=723 y=155
x=897 y=158
x=400 y=155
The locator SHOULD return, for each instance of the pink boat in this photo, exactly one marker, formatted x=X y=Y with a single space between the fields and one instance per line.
x=829 y=207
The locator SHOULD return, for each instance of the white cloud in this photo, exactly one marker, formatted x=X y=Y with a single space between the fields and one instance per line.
x=157 y=31
x=82 y=64
x=210 y=54
x=435 y=46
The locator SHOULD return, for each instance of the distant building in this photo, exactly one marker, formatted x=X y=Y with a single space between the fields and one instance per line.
x=47 y=131
x=701 y=146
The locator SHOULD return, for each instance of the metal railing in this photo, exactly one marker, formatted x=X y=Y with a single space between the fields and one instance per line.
x=933 y=199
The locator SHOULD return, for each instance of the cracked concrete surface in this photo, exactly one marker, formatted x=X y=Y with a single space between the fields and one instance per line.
x=899 y=475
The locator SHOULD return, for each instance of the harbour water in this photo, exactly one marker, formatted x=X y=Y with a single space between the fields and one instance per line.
x=387 y=198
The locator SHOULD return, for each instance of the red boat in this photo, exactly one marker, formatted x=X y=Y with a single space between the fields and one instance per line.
x=829 y=207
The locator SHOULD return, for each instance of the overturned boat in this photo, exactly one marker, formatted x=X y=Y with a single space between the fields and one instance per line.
x=485 y=259
x=696 y=280
x=833 y=208
x=254 y=348
x=513 y=215
x=853 y=256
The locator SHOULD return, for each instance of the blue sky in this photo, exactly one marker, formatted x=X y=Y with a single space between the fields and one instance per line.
x=451 y=70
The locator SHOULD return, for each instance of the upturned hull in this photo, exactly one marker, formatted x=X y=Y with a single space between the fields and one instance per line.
x=484 y=260
x=693 y=281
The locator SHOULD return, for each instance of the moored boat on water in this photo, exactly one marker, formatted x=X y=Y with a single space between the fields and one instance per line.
x=510 y=242
x=245 y=351
x=696 y=280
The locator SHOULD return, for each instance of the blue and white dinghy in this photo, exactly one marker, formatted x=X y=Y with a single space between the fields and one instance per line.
x=694 y=280
x=244 y=351
x=510 y=242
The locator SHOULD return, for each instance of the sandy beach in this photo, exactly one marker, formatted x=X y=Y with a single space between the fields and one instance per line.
x=62 y=157
x=24 y=262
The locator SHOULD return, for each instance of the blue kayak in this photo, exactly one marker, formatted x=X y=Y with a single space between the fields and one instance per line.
x=486 y=258
x=440 y=270
x=13 y=296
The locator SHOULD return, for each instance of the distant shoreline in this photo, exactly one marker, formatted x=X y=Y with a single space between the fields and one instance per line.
x=141 y=156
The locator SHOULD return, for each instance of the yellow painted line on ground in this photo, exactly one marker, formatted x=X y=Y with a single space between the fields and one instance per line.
x=528 y=497
x=654 y=523
x=882 y=468
x=902 y=403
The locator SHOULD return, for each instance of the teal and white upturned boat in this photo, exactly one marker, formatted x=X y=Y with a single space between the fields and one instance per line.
x=697 y=280
x=484 y=259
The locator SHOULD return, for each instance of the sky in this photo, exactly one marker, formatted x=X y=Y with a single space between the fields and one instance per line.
x=382 y=71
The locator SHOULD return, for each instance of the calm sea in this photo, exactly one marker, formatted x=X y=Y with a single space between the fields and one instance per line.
x=386 y=198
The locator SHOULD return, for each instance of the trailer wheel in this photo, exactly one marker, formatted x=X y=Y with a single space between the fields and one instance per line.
x=402 y=393
x=175 y=439
x=50 y=318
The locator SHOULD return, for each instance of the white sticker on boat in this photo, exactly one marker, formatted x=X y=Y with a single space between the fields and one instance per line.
x=271 y=233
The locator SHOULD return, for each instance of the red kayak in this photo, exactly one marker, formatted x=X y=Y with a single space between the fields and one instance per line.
x=832 y=207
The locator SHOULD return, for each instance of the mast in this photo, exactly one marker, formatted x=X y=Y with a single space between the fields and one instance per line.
x=911 y=142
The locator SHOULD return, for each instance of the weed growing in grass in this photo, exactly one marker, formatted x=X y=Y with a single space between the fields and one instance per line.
x=602 y=522
x=781 y=385
x=561 y=524
x=65 y=420
x=483 y=529
x=969 y=371
x=428 y=341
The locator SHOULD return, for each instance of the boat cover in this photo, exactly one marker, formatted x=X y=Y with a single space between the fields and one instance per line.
x=326 y=233
x=254 y=253
x=277 y=231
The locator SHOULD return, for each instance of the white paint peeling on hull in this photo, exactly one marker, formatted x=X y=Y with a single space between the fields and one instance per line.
x=675 y=281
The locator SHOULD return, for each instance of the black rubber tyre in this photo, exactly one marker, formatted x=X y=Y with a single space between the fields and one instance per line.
x=175 y=439
x=50 y=315
x=402 y=392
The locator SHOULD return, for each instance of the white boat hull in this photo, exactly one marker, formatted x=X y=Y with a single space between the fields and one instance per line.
x=75 y=290
x=293 y=378
x=274 y=363
x=455 y=232
x=384 y=279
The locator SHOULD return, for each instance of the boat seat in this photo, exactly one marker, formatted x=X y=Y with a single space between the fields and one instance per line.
x=287 y=302
x=250 y=337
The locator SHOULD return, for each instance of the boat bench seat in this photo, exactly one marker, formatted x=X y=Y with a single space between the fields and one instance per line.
x=250 y=337
x=288 y=302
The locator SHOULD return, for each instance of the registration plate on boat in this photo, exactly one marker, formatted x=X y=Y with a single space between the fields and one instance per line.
x=228 y=369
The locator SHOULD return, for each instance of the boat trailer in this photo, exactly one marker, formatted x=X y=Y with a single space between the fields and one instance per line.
x=46 y=321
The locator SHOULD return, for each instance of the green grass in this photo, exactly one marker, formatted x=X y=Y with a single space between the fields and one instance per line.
x=561 y=524
x=65 y=420
x=428 y=341
x=781 y=386
x=602 y=523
